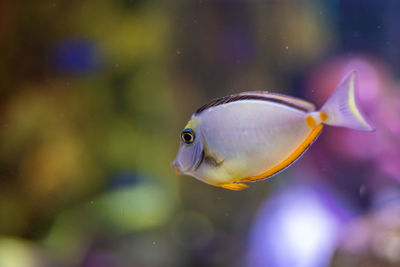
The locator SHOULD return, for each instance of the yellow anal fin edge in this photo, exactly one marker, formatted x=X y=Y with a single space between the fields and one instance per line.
x=290 y=159
x=233 y=186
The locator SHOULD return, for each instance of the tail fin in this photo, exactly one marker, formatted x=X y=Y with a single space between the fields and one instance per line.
x=341 y=108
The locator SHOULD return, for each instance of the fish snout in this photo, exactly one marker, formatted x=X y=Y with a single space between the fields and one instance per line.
x=176 y=167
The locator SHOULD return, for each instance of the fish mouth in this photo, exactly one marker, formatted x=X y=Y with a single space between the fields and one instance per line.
x=176 y=167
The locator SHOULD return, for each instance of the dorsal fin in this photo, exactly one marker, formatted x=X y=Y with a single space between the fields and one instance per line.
x=260 y=95
x=305 y=104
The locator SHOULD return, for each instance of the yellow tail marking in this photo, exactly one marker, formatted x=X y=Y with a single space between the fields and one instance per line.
x=310 y=121
x=323 y=116
x=352 y=102
x=292 y=157
x=233 y=186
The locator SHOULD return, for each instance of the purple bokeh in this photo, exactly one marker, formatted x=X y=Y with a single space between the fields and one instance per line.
x=297 y=226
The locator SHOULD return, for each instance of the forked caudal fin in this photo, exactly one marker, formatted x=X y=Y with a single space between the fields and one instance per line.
x=341 y=108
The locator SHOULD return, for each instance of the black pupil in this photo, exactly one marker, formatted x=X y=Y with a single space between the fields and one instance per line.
x=187 y=137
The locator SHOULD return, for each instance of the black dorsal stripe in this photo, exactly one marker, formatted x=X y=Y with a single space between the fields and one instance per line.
x=239 y=97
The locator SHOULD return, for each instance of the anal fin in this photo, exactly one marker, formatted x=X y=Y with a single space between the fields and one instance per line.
x=251 y=179
x=289 y=160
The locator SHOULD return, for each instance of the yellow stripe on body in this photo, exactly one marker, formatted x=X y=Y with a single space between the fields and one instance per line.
x=290 y=159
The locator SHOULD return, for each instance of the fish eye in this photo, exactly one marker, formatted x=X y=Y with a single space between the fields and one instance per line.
x=187 y=136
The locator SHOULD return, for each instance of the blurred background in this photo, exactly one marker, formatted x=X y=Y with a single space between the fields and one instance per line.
x=94 y=94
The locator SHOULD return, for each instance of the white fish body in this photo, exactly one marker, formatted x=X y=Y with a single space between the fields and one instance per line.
x=254 y=135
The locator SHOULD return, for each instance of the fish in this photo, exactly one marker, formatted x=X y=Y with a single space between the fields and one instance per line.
x=252 y=136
